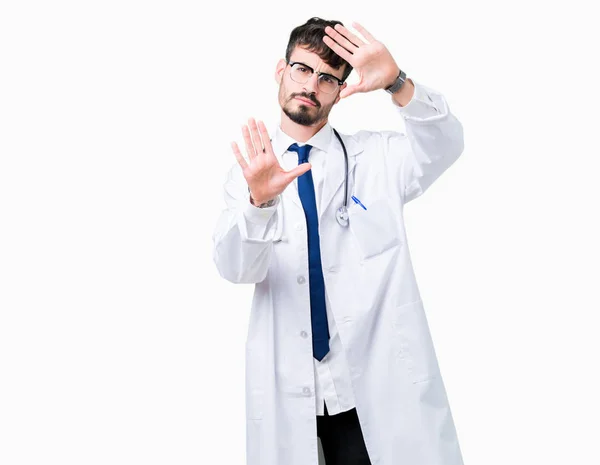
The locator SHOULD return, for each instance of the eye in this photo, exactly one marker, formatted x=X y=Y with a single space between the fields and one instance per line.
x=328 y=79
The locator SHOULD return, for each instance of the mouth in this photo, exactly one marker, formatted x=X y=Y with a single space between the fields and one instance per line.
x=307 y=102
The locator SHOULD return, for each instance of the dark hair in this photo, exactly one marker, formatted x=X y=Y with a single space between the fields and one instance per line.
x=310 y=36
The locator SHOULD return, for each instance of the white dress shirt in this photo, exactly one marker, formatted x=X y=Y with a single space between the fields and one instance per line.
x=332 y=378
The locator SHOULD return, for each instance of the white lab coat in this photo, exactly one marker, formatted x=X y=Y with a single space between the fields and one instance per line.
x=400 y=397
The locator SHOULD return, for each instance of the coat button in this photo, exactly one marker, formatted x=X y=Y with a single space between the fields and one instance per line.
x=301 y=279
x=306 y=390
x=298 y=226
x=304 y=334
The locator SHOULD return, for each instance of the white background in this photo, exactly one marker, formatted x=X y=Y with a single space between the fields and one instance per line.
x=119 y=341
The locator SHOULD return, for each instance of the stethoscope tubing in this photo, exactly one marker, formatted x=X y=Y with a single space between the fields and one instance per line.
x=346 y=162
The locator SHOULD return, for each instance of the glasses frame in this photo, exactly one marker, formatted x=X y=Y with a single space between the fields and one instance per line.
x=319 y=74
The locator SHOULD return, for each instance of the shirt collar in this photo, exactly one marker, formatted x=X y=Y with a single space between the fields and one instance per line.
x=321 y=140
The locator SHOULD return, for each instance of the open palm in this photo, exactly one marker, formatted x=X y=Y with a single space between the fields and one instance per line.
x=263 y=173
x=372 y=61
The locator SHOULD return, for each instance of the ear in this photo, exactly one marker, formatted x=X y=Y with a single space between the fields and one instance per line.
x=279 y=69
x=342 y=87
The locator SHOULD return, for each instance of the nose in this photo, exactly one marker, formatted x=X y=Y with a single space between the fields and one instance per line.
x=312 y=85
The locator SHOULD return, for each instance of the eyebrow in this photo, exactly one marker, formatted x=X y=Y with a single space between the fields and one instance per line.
x=313 y=70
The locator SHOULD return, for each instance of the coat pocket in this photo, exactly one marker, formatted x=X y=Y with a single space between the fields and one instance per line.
x=254 y=388
x=414 y=344
x=375 y=228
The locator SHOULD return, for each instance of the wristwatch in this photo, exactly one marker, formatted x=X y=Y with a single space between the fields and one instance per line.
x=398 y=83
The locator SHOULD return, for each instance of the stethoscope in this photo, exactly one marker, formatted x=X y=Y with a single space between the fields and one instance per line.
x=341 y=214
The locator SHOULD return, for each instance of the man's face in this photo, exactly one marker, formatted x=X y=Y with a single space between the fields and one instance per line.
x=290 y=91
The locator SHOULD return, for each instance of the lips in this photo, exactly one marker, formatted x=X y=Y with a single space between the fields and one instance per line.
x=308 y=102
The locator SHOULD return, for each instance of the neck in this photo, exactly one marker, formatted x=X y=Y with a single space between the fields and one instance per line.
x=297 y=131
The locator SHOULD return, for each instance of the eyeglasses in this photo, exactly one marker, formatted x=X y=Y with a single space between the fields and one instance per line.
x=301 y=73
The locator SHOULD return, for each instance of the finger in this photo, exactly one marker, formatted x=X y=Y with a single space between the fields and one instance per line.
x=340 y=39
x=256 y=137
x=238 y=155
x=248 y=142
x=264 y=134
x=366 y=34
x=337 y=48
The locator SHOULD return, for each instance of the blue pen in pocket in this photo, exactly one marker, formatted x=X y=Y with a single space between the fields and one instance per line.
x=358 y=202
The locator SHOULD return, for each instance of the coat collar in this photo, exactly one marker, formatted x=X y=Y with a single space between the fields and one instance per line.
x=335 y=168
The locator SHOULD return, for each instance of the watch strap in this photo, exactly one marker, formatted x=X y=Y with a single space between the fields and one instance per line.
x=397 y=84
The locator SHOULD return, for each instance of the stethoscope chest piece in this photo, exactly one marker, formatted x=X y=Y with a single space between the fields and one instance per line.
x=342 y=216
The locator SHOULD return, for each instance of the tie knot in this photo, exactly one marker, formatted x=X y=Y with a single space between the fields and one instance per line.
x=302 y=151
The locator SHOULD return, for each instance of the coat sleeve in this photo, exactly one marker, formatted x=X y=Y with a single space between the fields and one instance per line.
x=435 y=138
x=243 y=237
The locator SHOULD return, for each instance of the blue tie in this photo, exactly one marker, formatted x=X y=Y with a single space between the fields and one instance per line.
x=318 y=312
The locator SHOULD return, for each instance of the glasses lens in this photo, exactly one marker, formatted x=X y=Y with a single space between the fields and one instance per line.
x=327 y=84
x=301 y=74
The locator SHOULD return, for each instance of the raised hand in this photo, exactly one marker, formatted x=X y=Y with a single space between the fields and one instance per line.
x=264 y=175
x=375 y=66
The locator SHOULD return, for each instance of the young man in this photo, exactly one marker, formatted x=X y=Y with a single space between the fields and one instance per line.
x=338 y=343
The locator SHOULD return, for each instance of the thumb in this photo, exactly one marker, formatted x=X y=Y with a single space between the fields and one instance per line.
x=349 y=90
x=299 y=170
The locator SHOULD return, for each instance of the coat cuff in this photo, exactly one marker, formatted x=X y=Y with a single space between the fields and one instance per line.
x=425 y=104
x=260 y=216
